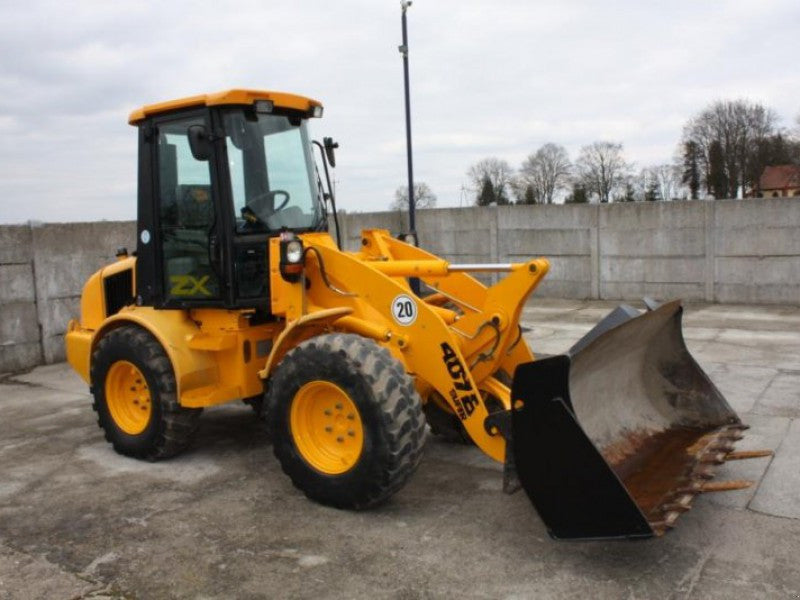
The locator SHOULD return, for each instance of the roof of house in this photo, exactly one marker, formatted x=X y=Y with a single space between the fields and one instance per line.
x=780 y=177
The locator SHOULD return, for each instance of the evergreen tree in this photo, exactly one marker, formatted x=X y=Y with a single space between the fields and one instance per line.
x=717 y=178
x=501 y=196
x=629 y=193
x=578 y=195
x=651 y=192
x=486 y=195
x=530 y=197
x=691 y=168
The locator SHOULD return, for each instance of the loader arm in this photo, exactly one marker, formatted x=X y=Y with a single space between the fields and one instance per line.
x=441 y=357
x=506 y=300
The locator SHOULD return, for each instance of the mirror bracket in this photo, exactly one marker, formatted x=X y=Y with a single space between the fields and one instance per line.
x=330 y=146
x=199 y=142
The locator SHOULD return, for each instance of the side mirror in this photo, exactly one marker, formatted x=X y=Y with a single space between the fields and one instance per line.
x=330 y=146
x=199 y=143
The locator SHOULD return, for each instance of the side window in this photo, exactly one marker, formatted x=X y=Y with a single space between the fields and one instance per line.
x=186 y=211
x=236 y=170
x=287 y=169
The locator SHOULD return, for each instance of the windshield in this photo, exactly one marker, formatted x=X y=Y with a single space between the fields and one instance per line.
x=272 y=172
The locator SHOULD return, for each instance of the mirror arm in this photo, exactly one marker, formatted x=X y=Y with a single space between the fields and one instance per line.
x=330 y=193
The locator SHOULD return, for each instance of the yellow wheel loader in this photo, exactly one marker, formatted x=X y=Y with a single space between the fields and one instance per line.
x=237 y=292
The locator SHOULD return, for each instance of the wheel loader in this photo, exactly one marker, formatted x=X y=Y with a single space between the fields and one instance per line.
x=236 y=291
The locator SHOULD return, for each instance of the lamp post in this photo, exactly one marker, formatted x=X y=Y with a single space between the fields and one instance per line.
x=404 y=4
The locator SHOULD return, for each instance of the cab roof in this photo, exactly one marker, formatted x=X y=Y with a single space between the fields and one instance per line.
x=235 y=96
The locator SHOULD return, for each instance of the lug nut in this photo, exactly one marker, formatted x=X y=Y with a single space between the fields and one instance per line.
x=329 y=429
x=351 y=433
x=340 y=439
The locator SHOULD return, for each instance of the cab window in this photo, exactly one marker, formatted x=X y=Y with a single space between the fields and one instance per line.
x=186 y=213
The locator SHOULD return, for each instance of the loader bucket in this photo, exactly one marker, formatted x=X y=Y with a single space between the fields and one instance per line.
x=616 y=437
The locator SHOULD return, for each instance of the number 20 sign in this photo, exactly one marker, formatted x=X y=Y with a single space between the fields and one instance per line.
x=404 y=309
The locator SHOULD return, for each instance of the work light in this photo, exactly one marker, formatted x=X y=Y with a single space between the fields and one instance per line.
x=291 y=259
x=294 y=251
x=409 y=238
x=264 y=106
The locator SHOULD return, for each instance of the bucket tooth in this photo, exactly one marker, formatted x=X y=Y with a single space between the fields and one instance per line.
x=714 y=458
x=744 y=454
x=733 y=435
x=726 y=486
x=668 y=522
x=693 y=488
x=681 y=504
x=702 y=472
x=723 y=446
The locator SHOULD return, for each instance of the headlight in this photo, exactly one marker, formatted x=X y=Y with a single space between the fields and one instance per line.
x=291 y=259
x=294 y=251
x=409 y=238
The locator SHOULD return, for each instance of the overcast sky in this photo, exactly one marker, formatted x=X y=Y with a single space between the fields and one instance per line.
x=488 y=79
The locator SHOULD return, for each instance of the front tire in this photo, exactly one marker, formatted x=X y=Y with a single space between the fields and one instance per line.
x=346 y=421
x=135 y=396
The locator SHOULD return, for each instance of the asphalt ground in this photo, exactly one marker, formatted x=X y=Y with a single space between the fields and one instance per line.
x=222 y=521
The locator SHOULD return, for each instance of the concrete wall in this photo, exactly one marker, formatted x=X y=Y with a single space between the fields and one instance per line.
x=42 y=272
x=19 y=325
x=736 y=251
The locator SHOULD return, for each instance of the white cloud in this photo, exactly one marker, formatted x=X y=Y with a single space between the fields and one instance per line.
x=495 y=78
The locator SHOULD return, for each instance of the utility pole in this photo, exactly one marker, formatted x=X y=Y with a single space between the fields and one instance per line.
x=412 y=225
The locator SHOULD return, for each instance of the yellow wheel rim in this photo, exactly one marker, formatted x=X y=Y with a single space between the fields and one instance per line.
x=326 y=427
x=127 y=397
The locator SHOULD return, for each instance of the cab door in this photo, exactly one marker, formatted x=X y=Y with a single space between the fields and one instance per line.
x=188 y=215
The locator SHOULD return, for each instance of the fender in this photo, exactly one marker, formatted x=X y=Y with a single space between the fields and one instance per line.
x=194 y=369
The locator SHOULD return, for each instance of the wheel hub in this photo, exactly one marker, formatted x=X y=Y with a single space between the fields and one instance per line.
x=326 y=427
x=128 y=397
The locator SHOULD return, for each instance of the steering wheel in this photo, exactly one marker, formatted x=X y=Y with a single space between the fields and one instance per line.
x=254 y=212
x=257 y=203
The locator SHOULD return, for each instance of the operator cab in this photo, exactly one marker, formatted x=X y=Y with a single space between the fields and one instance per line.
x=220 y=174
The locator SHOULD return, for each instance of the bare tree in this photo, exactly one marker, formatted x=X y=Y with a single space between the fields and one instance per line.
x=644 y=185
x=602 y=169
x=543 y=173
x=499 y=175
x=423 y=197
x=728 y=135
x=668 y=178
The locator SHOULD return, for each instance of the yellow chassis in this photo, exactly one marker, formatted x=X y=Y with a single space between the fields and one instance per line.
x=454 y=355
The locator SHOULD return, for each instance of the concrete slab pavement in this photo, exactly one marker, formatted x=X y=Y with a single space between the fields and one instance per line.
x=221 y=520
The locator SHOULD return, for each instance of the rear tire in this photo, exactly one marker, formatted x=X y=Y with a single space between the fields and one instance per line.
x=346 y=421
x=135 y=396
x=444 y=424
